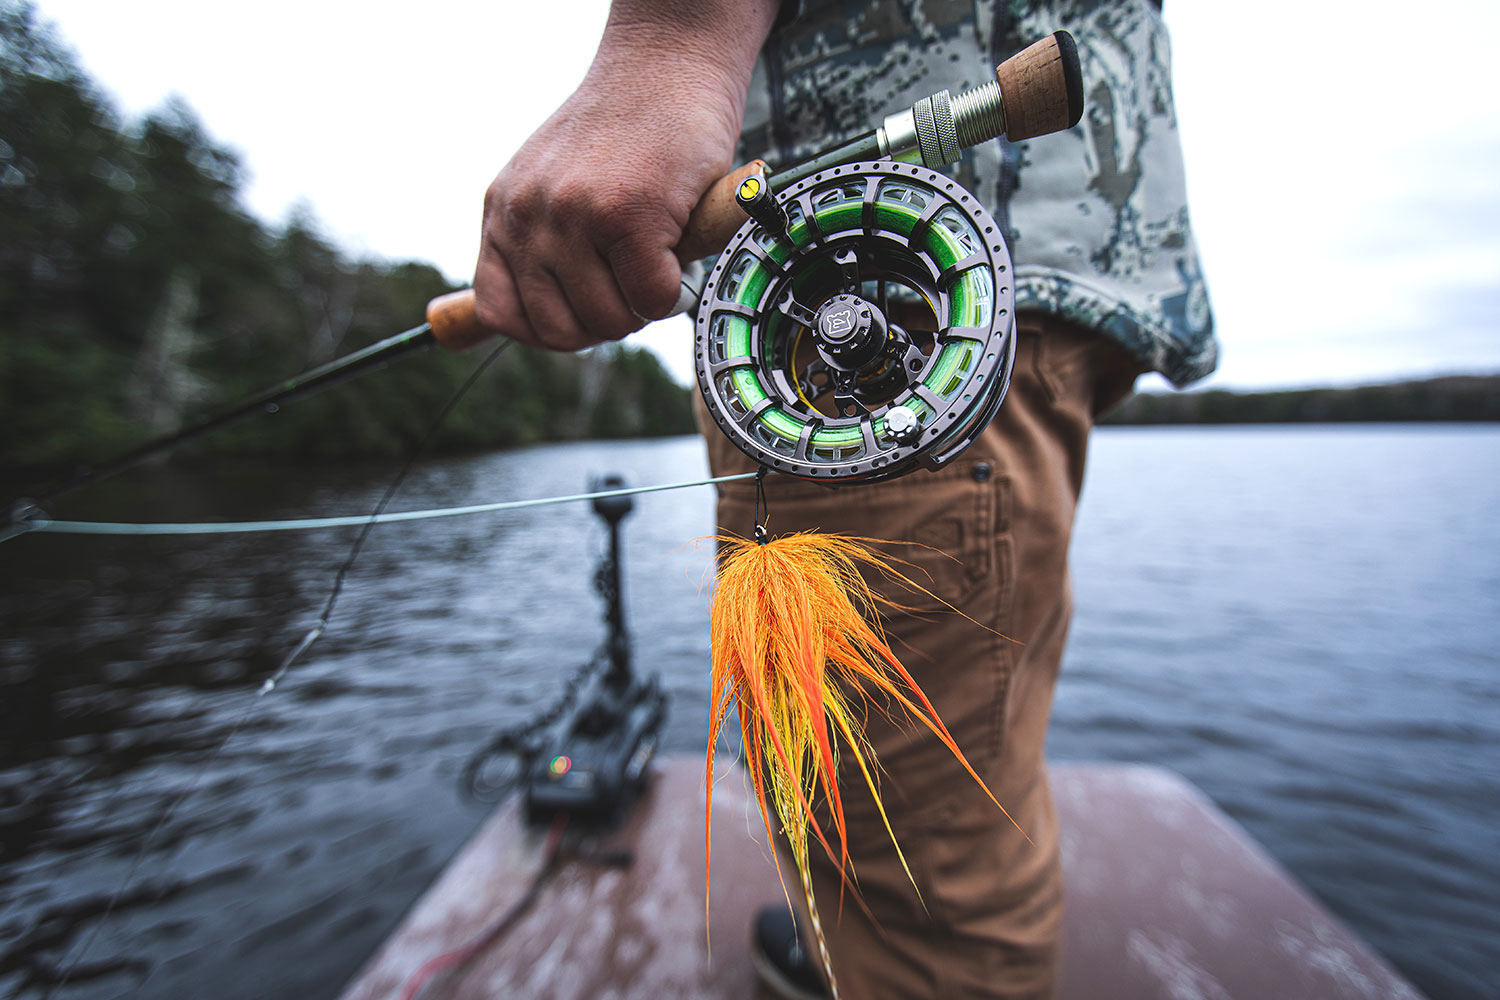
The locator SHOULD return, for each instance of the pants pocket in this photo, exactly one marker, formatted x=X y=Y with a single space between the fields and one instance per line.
x=948 y=530
x=940 y=529
x=1077 y=366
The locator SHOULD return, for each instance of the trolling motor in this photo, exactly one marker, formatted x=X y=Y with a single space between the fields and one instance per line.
x=587 y=755
x=592 y=761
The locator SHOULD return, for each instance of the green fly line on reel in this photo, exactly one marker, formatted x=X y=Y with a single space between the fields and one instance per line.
x=859 y=325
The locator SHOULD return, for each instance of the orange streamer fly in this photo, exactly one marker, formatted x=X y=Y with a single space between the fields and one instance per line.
x=792 y=645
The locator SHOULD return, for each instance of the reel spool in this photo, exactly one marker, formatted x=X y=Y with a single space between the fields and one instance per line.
x=860 y=324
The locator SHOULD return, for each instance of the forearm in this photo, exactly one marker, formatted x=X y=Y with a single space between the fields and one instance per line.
x=719 y=37
x=580 y=226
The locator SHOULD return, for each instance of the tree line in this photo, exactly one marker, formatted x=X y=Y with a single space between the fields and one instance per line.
x=138 y=294
x=1460 y=398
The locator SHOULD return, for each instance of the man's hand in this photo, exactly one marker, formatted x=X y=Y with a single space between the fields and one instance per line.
x=579 y=227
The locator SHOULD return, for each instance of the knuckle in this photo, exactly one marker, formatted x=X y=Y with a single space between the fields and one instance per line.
x=521 y=212
x=640 y=269
x=653 y=292
x=563 y=342
x=496 y=307
x=578 y=202
x=553 y=324
x=493 y=195
x=628 y=222
x=617 y=230
x=489 y=315
x=616 y=327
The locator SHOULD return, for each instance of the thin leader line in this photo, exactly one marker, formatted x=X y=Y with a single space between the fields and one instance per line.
x=314 y=523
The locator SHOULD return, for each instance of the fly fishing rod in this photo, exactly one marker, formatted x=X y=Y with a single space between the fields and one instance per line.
x=268 y=400
x=1035 y=92
x=867 y=397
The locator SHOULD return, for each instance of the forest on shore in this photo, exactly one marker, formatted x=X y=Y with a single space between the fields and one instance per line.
x=1453 y=398
x=138 y=295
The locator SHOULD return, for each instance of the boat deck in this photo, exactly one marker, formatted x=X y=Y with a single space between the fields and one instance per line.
x=1166 y=897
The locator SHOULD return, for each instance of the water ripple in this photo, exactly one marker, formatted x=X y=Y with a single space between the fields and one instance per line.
x=1272 y=612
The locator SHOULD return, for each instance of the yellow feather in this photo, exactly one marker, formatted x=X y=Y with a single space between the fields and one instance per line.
x=792 y=644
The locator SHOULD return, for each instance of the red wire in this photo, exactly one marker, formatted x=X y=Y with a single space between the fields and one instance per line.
x=433 y=967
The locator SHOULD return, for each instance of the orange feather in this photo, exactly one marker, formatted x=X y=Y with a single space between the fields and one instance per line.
x=792 y=644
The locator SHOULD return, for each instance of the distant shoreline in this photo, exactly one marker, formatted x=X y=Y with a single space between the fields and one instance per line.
x=1447 y=399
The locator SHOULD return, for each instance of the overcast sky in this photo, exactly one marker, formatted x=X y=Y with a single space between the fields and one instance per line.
x=1344 y=170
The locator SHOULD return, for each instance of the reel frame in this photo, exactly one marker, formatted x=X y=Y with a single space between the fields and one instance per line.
x=844 y=227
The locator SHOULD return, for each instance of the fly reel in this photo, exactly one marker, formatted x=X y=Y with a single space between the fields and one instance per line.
x=860 y=324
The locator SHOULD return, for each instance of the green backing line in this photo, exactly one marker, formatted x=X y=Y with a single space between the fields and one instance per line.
x=956 y=359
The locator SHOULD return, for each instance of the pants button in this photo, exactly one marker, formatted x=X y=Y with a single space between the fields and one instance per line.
x=982 y=472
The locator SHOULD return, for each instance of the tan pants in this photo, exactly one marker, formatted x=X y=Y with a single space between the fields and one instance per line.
x=989 y=917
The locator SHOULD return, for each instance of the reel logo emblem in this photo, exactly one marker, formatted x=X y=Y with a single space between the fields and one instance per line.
x=839 y=322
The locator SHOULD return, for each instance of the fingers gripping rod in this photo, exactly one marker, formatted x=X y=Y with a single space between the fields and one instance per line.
x=1037 y=91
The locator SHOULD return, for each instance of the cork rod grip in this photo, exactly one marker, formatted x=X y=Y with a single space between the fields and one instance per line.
x=453 y=319
x=716 y=216
x=1041 y=88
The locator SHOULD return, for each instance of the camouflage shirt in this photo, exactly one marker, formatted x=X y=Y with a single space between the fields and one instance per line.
x=1096 y=218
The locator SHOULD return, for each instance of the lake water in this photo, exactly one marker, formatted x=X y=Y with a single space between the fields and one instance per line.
x=1304 y=621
